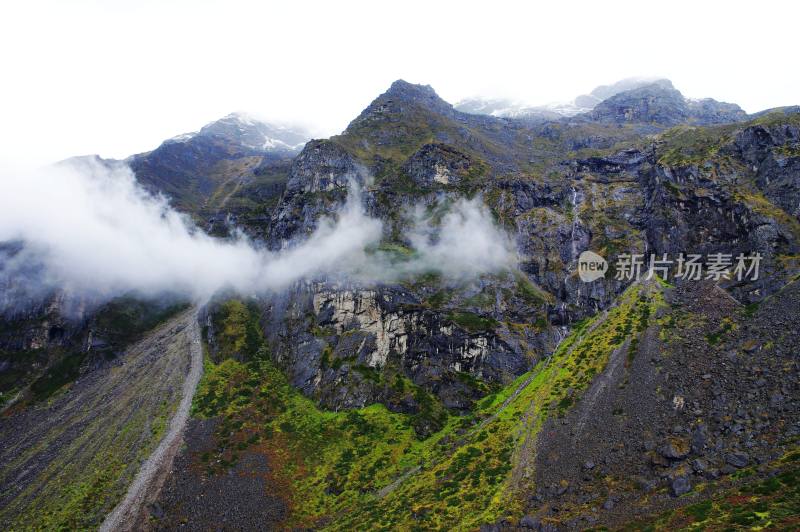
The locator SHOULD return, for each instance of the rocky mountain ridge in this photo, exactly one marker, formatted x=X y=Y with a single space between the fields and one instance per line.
x=635 y=199
x=482 y=382
x=201 y=172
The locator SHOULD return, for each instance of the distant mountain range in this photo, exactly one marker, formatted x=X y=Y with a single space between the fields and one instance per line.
x=641 y=89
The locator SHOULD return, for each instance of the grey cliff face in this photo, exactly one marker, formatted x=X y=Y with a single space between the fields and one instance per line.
x=437 y=163
x=323 y=166
x=327 y=335
x=317 y=185
x=774 y=154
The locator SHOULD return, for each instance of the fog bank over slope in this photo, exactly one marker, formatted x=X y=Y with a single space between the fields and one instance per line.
x=87 y=227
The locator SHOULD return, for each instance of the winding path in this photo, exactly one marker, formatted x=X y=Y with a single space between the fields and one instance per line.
x=154 y=470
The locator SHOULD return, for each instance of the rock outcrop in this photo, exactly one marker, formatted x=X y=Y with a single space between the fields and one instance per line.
x=347 y=347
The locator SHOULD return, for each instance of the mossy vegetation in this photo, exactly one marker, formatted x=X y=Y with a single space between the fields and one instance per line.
x=238 y=334
x=64 y=371
x=724 y=328
x=759 y=204
x=472 y=322
x=532 y=294
x=120 y=322
x=686 y=145
x=125 y=319
x=369 y=468
x=77 y=505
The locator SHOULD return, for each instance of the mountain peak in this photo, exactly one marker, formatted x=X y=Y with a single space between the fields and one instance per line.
x=401 y=98
x=243 y=130
x=403 y=89
x=411 y=93
x=664 y=82
x=603 y=92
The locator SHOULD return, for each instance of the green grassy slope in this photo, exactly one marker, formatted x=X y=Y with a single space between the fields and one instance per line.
x=367 y=469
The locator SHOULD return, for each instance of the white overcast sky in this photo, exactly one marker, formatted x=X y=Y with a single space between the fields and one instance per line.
x=117 y=77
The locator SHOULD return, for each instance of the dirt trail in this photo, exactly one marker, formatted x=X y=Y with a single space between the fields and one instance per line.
x=94 y=433
x=148 y=481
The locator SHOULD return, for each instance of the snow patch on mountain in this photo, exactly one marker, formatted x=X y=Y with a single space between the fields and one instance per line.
x=502 y=107
x=251 y=133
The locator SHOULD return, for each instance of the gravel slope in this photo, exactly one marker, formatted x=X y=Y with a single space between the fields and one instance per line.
x=66 y=462
x=151 y=476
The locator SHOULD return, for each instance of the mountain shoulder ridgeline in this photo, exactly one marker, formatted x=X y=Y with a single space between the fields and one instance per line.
x=201 y=172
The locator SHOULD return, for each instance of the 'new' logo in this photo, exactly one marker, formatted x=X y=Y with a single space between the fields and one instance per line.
x=591 y=266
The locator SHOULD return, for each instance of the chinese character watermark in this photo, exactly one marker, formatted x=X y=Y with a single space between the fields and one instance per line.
x=689 y=267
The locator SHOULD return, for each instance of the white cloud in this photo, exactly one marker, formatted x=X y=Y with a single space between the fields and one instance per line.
x=91 y=230
x=466 y=242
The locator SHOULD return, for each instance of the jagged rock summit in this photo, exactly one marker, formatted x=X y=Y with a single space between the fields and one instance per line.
x=402 y=97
